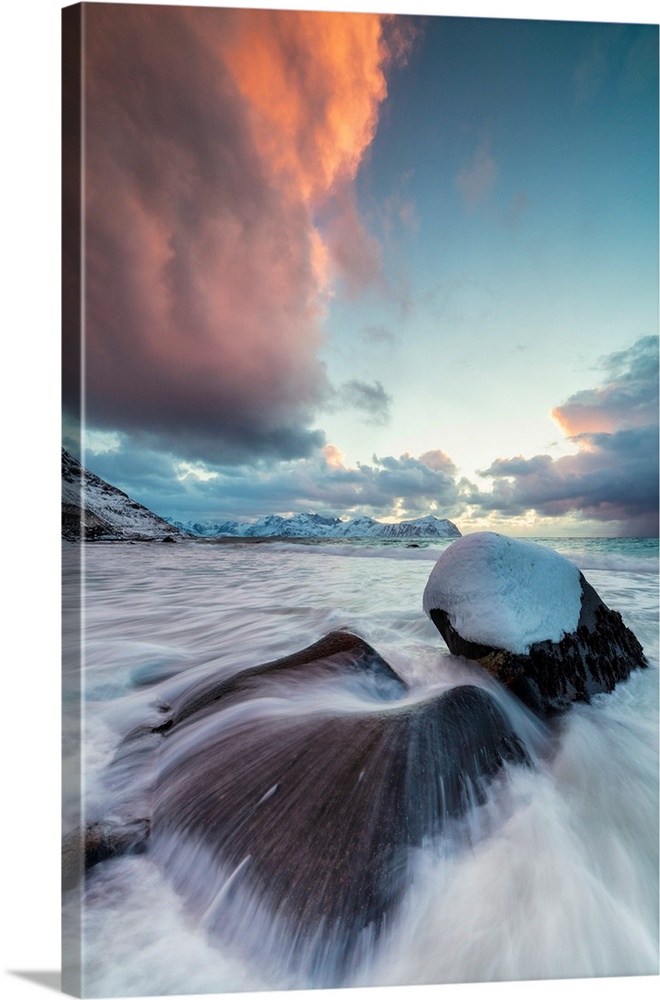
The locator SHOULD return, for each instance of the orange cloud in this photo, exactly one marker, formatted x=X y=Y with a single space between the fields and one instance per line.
x=577 y=418
x=215 y=138
x=314 y=81
x=438 y=460
x=334 y=456
x=627 y=400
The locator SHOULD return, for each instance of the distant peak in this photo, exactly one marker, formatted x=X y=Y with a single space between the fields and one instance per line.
x=309 y=524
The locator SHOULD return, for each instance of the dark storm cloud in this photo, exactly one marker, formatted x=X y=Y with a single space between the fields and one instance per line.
x=380 y=487
x=614 y=474
x=628 y=399
x=416 y=482
x=204 y=270
x=613 y=477
x=320 y=483
x=192 y=329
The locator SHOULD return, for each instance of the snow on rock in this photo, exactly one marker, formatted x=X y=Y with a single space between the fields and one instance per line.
x=505 y=592
x=530 y=618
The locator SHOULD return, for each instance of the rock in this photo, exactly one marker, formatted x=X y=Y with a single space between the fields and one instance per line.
x=529 y=617
x=337 y=652
x=82 y=850
x=313 y=807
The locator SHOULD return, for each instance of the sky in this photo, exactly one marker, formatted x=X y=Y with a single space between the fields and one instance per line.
x=370 y=264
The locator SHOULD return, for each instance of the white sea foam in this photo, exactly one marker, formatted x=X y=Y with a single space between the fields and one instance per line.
x=426 y=551
x=561 y=881
x=616 y=554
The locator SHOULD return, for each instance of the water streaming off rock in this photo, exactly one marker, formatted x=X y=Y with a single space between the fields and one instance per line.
x=552 y=872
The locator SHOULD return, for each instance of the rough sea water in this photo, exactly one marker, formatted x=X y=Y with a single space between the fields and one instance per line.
x=551 y=874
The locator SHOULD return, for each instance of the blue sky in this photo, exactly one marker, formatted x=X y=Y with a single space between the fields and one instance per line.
x=378 y=278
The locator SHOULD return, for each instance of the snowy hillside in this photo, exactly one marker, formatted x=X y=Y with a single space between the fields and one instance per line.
x=94 y=510
x=316 y=526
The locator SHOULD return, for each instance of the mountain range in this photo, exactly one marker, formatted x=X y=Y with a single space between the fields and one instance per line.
x=317 y=526
x=96 y=511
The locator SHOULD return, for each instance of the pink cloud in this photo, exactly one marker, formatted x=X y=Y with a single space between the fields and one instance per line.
x=438 y=461
x=212 y=138
x=613 y=476
x=354 y=252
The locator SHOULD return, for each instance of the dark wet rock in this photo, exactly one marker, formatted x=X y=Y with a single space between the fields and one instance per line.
x=325 y=809
x=315 y=816
x=82 y=850
x=313 y=811
x=551 y=674
x=336 y=653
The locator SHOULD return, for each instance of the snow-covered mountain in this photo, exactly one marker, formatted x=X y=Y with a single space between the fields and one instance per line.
x=316 y=526
x=298 y=526
x=419 y=527
x=94 y=510
x=206 y=529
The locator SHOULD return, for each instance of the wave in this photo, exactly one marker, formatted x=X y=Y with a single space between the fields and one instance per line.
x=610 y=554
x=625 y=555
x=562 y=884
x=615 y=563
x=377 y=549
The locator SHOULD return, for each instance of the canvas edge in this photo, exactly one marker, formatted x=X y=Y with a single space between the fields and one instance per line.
x=71 y=194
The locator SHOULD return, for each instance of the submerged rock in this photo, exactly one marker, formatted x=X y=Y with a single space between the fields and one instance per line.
x=275 y=799
x=529 y=617
x=82 y=849
x=336 y=653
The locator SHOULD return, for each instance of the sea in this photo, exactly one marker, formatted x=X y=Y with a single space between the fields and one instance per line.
x=554 y=877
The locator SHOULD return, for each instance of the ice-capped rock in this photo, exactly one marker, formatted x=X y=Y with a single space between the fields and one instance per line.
x=529 y=617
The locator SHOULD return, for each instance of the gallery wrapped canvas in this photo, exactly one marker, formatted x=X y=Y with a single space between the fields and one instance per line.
x=359 y=500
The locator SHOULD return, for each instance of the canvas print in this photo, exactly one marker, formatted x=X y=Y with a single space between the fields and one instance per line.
x=360 y=500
